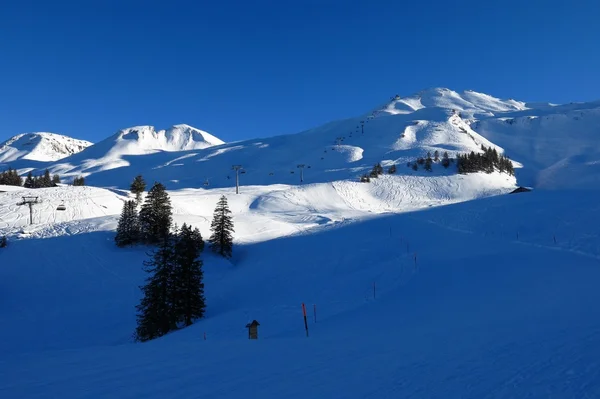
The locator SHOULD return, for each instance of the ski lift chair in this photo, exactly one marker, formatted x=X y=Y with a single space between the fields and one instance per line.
x=61 y=207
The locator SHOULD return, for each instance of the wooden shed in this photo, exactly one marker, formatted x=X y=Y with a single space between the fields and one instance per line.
x=253 y=329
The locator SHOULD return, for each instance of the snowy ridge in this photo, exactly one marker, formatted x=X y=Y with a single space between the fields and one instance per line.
x=40 y=147
x=112 y=152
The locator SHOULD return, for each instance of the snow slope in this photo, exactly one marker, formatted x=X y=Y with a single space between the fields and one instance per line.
x=42 y=147
x=115 y=151
x=494 y=307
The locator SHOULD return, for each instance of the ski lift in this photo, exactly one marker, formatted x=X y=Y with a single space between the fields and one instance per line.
x=61 y=207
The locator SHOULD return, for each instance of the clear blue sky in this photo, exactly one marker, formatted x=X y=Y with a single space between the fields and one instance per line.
x=244 y=69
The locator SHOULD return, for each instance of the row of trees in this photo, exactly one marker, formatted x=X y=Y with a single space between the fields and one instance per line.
x=10 y=177
x=488 y=161
x=41 y=181
x=174 y=290
x=376 y=172
x=427 y=163
x=155 y=218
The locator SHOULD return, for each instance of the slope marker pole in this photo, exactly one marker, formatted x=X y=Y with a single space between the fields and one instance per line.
x=305 y=321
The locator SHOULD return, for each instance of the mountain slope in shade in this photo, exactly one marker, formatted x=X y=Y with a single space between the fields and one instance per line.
x=43 y=147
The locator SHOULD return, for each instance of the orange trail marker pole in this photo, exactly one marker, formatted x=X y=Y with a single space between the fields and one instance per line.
x=305 y=321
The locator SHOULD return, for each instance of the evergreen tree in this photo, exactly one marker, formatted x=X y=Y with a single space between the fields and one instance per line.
x=392 y=169
x=56 y=180
x=37 y=182
x=221 y=239
x=445 y=160
x=188 y=288
x=138 y=187
x=156 y=215
x=29 y=182
x=376 y=171
x=128 y=229
x=428 y=163
x=436 y=156
x=79 y=181
x=45 y=180
x=3 y=242
x=415 y=166
x=155 y=317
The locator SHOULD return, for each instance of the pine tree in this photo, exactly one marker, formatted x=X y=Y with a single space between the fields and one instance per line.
x=428 y=163
x=415 y=166
x=188 y=288
x=29 y=182
x=155 y=317
x=79 y=181
x=436 y=156
x=56 y=180
x=156 y=215
x=3 y=242
x=392 y=169
x=138 y=187
x=221 y=239
x=46 y=180
x=128 y=229
x=445 y=160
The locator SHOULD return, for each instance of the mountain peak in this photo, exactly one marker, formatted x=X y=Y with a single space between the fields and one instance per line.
x=470 y=102
x=40 y=146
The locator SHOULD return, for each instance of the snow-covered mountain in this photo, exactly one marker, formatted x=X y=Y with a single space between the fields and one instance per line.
x=486 y=298
x=40 y=146
x=118 y=150
x=549 y=144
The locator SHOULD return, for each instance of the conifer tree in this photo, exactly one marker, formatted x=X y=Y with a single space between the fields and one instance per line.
x=392 y=169
x=221 y=240
x=436 y=156
x=3 y=242
x=79 y=181
x=46 y=180
x=128 y=229
x=428 y=163
x=29 y=182
x=156 y=215
x=445 y=160
x=188 y=288
x=138 y=186
x=55 y=180
x=155 y=317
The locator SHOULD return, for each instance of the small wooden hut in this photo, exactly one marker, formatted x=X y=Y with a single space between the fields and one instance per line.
x=253 y=329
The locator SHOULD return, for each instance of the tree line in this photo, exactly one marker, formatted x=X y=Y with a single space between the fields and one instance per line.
x=487 y=161
x=174 y=290
x=11 y=177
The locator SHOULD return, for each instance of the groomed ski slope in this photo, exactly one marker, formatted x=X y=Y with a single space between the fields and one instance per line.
x=500 y=304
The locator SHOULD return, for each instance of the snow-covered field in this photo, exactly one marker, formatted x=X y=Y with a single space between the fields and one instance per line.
x=493 y=307
x=418 y=284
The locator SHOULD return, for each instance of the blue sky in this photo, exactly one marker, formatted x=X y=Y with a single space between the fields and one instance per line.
x=244 y=69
